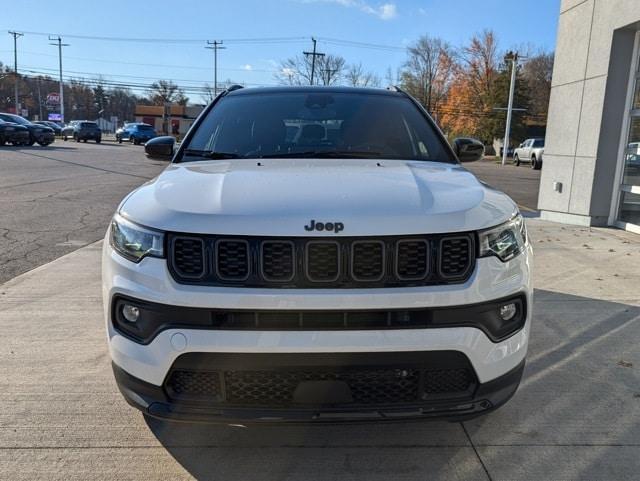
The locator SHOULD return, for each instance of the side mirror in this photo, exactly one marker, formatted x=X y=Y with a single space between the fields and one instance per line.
x=160 y=148
x=468 y=150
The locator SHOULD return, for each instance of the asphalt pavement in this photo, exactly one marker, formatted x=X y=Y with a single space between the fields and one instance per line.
x=56 y=199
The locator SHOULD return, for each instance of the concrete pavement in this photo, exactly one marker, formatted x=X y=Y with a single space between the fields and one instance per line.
x=576 y=415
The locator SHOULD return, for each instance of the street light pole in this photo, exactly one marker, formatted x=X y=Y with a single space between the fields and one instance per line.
x=15 y=68
x=60 y=45
x=507 y=131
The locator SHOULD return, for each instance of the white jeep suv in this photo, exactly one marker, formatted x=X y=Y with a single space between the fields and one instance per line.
x=316 y=254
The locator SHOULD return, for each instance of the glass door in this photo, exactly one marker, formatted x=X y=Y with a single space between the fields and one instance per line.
x=628 y=215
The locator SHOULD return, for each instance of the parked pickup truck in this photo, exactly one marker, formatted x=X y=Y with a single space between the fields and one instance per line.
x=356 y=271
x=530 y=150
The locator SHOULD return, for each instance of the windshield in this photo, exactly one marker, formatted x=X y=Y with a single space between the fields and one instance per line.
x=16 y=119
x=146 y=128
x=316 y=125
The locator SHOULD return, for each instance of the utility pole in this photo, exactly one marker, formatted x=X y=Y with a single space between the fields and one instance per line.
x=313 y=54
x=215 y=46
x=15 y=68
x=59 y=43
x=513 y=56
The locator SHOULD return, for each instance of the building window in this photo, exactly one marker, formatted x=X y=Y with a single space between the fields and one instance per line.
x=629 y=200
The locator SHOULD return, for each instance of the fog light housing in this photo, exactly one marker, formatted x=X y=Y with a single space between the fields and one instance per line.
x=130 y=313
x=508 y=311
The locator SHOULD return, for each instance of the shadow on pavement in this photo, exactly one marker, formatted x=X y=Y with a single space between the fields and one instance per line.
x=580 y=390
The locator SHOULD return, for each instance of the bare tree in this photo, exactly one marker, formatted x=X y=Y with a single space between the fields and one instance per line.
x=297 y=70
x=166 y=91
x=537 y=73
x=356 y=76
x=428 y=70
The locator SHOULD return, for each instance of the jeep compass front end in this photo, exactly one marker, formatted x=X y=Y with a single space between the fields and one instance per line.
x=316 y=254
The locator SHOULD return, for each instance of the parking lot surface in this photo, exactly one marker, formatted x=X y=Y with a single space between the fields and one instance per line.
x=55 y=199
x=521 y=183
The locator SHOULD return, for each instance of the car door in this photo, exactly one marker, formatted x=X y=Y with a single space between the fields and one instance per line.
x=525 y=152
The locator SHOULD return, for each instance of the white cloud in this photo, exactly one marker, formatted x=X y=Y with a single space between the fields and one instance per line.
x=247 y=66
x=386 y=11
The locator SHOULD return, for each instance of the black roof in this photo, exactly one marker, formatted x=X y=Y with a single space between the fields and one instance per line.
x=314 y=88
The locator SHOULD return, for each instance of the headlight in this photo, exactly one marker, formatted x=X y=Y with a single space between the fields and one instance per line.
x=134 y=242
x=504 y=241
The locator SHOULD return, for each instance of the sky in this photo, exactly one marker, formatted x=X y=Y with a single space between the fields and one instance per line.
x=144 y=41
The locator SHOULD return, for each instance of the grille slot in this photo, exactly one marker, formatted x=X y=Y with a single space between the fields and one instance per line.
x=276 y=388
x=367 y=260
x=323 y=261
x=188 y=258
x=412 y=259
x=455 y=256
x=278 y=261
x=232 y=259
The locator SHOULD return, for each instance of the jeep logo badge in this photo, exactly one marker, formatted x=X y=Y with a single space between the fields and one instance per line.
x=328 y=226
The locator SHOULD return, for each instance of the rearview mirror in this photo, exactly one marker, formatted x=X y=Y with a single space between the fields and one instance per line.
x=160 y=148
x=468 y=150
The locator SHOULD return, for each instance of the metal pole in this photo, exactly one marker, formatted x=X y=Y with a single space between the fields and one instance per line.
x=60 y=45
x=215 y=45
x=507 y=131
x=15 y=69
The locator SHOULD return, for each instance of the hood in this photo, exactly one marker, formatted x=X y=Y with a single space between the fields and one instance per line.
x=280 y=196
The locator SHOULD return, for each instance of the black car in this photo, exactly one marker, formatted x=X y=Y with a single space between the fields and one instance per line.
x=37 y=133
x=56 y=128
x=13 y=133
x=82 y=130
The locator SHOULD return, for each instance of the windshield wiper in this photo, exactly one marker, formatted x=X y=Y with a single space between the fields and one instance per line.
x=211 y=154
x=327 y=154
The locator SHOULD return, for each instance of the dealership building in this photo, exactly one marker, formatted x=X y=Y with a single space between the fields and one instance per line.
x=591 y=173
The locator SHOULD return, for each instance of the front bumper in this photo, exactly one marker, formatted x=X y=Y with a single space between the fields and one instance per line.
x=17 y=137
x=155 y=401
x=44 y=137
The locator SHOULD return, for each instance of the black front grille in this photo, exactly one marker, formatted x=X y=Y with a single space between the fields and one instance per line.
x=343 y=262
x=399 y=383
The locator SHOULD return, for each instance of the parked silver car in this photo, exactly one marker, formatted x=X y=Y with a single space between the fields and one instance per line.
x=530 y=150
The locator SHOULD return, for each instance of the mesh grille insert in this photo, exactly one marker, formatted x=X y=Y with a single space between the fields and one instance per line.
x=232 y=259
x=412 y=259
x=455 y=256
x=188 y=257
x=367 y=260
x=276 y=388
x=323 y=261
x=278 y=261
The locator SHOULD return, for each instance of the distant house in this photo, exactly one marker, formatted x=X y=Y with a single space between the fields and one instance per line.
x=181 y=117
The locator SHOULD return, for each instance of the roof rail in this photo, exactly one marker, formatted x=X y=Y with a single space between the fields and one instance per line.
x=234 y=87
x=394 y=88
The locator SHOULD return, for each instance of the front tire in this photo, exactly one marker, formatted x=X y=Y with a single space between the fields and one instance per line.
x=516 y=160
x=98 y=140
